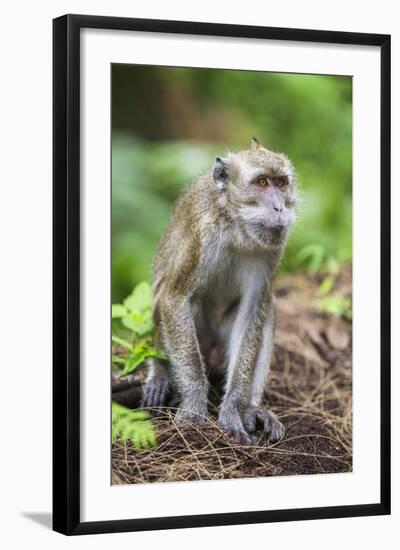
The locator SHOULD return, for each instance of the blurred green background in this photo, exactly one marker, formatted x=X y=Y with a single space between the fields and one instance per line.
x=168 y=124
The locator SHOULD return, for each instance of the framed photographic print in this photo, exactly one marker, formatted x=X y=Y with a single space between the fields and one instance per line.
x=221 y=274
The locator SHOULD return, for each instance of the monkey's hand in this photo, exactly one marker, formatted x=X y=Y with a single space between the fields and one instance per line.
x=155 y=392
x=254 y=416
x=241 y=426
x=231 y=421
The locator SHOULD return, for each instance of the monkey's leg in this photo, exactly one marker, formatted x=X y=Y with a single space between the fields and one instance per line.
x=156 y=387
x=256 y=414
x=187 y=366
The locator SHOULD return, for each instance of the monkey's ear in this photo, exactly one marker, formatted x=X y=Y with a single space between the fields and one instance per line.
x=220 y=173
x=255 y=144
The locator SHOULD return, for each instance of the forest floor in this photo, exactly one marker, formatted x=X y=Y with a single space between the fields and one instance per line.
x=309 y=388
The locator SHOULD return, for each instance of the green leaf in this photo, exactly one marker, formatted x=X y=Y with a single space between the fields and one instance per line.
x=138 y=316
x=118 y=359
x=140 y=299
x=132 y=362
x=124 y=343
x=118 y=311
x=134 y=426
x=139 y=323
x=141 y=352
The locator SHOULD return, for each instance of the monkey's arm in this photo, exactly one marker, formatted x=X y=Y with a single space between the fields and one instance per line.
x=180 y=341
x=264 y=355
x=250 y=356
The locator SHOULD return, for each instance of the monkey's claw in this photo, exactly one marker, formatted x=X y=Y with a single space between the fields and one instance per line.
x=155 y=393
x=271 y=425
x=233 y=425
x=241 y=436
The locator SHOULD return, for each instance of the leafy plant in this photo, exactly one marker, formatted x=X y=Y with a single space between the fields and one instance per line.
x=135 y=312
x=141 y=351
x=133 y=331
x=135 y=315
x=134 y=426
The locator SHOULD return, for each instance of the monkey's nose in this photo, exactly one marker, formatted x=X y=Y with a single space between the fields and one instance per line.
x=278 y=208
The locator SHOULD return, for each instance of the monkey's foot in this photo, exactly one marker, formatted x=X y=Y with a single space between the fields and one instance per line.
x=254 y=416
x=187 y=413
x=155 y=392
x=230 y=421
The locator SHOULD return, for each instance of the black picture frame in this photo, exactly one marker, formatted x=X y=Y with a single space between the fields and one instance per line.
x=66 y=273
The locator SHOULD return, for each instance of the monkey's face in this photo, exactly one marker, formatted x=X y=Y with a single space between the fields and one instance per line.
x=261 y=191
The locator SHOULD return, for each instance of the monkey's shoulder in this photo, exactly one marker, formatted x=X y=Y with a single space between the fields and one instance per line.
x=200 y=202
x=196 y=218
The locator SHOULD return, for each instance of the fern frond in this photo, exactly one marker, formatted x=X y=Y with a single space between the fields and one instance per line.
x=133 y=425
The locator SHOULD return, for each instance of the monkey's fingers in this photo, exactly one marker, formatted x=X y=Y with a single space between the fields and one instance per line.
x=232 y=423
x=155 y=394
x=249 y=420
x=256 y=416
x=277 y=429
x=270 y=423
x=242 y=437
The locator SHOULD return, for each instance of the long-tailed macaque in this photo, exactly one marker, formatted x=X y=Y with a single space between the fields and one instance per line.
x=212 y=286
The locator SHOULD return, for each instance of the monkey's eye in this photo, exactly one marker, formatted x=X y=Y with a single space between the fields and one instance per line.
x=280 y=181
x=262 y=182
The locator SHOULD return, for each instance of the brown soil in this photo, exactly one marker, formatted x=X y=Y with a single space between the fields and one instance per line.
x=309 y=387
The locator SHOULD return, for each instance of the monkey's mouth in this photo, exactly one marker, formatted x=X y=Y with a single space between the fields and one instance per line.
x=273 y=235
x=276 y=235
x=277 y=231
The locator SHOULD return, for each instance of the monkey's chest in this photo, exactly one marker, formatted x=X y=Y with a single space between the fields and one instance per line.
x=225 y=288
x=216 y=316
